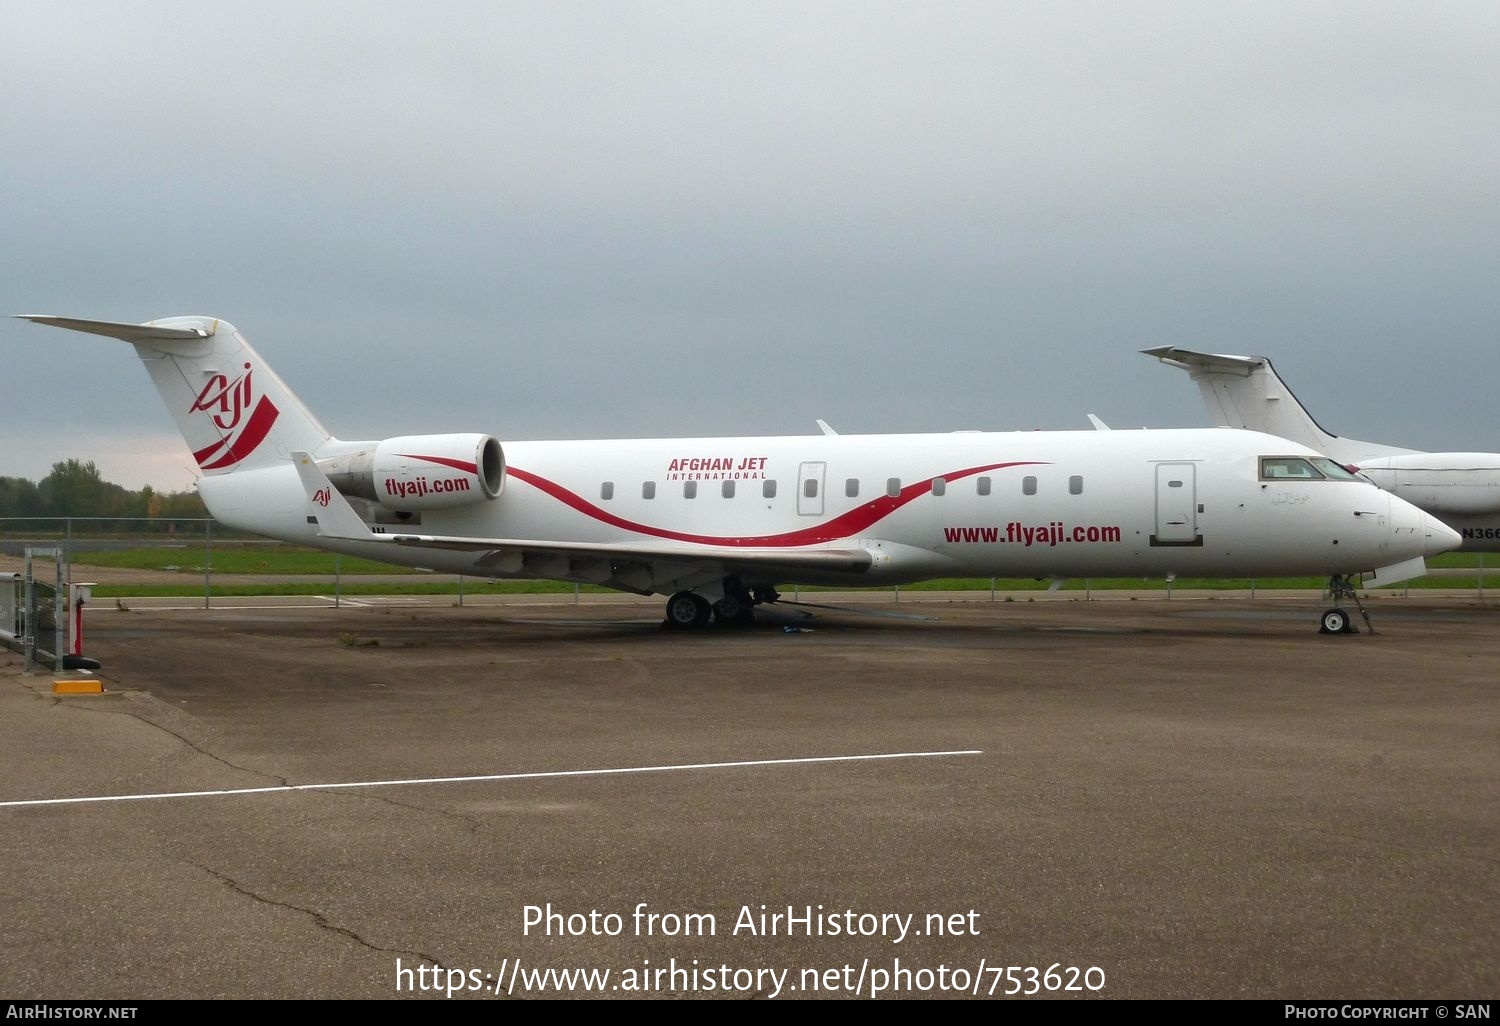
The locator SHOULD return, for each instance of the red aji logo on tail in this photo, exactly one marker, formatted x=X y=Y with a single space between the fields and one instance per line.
x=225 y=402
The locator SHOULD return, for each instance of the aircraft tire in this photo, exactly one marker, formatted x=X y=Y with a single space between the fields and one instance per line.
x=687 y=611
x=734 y=611
x=1334 y=621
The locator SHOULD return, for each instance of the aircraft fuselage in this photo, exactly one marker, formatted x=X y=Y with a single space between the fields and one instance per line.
x=1016 y=504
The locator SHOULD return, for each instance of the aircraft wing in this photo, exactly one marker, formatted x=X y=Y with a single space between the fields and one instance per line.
x=645 y=569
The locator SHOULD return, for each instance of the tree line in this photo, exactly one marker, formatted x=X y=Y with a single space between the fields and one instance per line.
x=75 y=488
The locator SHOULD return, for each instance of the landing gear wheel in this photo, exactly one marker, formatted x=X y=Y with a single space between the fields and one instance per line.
x=1336 y=621
x=732 y=609
x=686 y=611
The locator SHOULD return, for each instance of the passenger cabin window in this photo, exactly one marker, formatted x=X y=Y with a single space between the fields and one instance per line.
x=939 y=486
x=727 y=490
x=1028 y=486
x=810 y=488
x=768 y=489
x=1075 y=485
x=690 y=489
x=893 y=486
x=851 y=488
x=982 y=486
x=648 y=490
x=1287 y=468
x=607 y=490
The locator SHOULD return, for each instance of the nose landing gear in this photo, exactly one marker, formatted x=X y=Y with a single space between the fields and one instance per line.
x=1336 y=620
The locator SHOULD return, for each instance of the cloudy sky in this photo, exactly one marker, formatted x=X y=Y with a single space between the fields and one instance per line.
x=558 y=219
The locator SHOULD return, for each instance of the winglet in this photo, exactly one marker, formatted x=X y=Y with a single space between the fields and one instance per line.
x=328 y=510
x=1099 y=425
x=823 y=427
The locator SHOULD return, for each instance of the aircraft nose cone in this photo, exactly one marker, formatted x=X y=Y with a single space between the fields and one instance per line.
x=1419 y=532
x=1440 y=537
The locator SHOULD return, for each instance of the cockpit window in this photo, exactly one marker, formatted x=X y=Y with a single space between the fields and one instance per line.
x=1287 y=468
x=1333 y=470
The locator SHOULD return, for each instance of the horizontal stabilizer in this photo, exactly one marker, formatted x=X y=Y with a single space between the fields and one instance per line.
x=116 y=329
x=1217 y=362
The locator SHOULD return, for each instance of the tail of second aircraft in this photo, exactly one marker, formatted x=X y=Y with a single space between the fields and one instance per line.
x=232 y=409
x=1246 y=392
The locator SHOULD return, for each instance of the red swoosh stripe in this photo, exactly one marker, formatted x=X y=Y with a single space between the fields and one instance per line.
x=256 y=429
x=207 y=451
x=844 y=525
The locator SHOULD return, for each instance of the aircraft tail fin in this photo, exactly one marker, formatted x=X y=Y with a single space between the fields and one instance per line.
x=1246 y=392
x=232 y=409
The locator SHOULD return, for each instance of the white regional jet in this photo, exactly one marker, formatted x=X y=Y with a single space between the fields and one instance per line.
x=718 y=524
x=1461 y=488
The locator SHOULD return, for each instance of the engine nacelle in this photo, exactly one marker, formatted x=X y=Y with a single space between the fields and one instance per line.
x=1456 y=483
x=416 y=472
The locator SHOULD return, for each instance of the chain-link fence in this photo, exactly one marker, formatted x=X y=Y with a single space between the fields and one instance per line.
x=125 y=556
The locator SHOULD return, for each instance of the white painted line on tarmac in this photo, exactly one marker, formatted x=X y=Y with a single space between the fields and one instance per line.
x=489 y=777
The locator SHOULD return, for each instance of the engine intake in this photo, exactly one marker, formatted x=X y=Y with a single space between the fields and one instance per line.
x=416 y=472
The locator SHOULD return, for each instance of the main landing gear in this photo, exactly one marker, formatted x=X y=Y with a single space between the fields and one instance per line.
x=687 y=610
x=1336 y=620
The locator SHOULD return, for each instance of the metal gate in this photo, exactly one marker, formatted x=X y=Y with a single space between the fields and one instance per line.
x=33 y=612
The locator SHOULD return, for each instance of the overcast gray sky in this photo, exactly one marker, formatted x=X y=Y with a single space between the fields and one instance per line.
x=557 y=220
